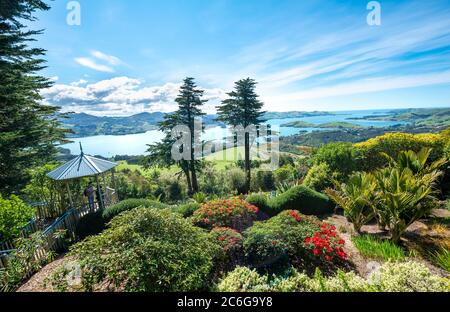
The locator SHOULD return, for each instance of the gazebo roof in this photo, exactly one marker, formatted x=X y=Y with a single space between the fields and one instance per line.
x=81 y=166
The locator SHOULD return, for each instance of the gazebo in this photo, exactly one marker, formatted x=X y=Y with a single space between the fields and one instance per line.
x=88 y=166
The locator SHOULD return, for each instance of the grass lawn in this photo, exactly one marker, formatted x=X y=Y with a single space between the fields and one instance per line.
x=375 y=248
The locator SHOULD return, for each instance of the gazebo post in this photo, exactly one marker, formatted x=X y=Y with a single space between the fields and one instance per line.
x=100 y=199
x=70 y=194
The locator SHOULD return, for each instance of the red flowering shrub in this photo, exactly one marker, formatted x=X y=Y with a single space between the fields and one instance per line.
x=308 y=241
x=233 y=213
x=231 y=242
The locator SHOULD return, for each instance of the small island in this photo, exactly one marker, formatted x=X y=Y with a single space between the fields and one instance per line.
x=328 y=125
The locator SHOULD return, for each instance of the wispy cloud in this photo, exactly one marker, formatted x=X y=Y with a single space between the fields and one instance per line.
x=93 y=62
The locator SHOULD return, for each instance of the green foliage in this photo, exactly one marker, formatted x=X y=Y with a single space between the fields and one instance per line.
x=341 y=158
x=14 y=214
x=148 y=250
x=390 y=277
x=393 y=143
x=231 y=242
x=303 y=199
x=261 y=201
x=200 y=197
x=236 y=180
x=188 y=209
x=285 y=174
x=234 y=213
x=29 y=130
x=403 y=196
x=264 y=181
x=90 y=224
x=28 y=257
x=130 y=204
x=319 y=177
x=442 y=258
x=244 y=109
x=375 y=248
x=407 y=277
x=355 y=198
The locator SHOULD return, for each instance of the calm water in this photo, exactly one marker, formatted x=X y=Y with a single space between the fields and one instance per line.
x=136 y=144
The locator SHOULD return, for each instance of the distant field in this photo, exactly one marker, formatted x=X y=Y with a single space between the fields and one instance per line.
x=220 y=159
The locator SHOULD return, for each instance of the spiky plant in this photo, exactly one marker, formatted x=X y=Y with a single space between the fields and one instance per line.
x=355 y=197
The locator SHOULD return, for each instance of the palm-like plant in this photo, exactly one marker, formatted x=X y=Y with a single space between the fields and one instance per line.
x=405 y=190
x=355 y=197
x=402 y=198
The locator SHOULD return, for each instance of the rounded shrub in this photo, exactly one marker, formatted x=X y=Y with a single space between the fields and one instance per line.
x=261 y=201
x=128 y=204
x=148 y=250
x=243 y=279
x=292 y=238
x=188 y=209
x=303 y=199
x=90 y=224
x=233 y=213
x=318 y=177
x=14 y=214
x=231 y=242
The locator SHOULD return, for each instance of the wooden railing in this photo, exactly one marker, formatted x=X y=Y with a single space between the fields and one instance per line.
x=67 y=223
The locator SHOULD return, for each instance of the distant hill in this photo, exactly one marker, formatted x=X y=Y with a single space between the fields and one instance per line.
x=87 y=125
x=84 y=125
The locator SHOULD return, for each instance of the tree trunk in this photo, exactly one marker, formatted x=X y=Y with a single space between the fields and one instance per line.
x=247 y=163
x=188 y=180
x=194 y=177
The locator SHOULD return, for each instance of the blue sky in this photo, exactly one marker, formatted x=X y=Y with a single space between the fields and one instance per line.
x=127 y=57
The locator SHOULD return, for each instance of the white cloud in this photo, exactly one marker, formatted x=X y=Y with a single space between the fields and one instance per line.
x=111 y=60
x=90 y=63
x=121 y=96
x=97 y=58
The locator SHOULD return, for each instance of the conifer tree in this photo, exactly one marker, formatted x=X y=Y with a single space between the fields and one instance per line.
x=29 y=130
x=243 y=108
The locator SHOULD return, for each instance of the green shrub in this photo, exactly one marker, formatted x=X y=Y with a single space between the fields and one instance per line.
x=233 y=213
x=243 y=279
x=148 y=250
x=340 y=158
x=231 y=242
x=264 y=181
x=407 y=277
x=23 y=261
x=319 y=177
x=188 y=209
x=441 y=257
x=129 y=204
x=393 y=143
x=390 y=277
x=355 y=198
x=261 y=201
x=90 y=224
x=14 y=214
x=375 y=248
x=303 y=240
x=236 y=180
x=285 y=174
x=303 y=199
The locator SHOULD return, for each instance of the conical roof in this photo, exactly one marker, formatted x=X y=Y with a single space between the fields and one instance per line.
x=81 y=166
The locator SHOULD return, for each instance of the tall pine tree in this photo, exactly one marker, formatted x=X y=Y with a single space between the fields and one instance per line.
x=28 y=129
x=189 y=108
x=244 y=109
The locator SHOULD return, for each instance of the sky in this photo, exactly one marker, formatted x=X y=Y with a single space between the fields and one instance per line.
x=128 y=57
